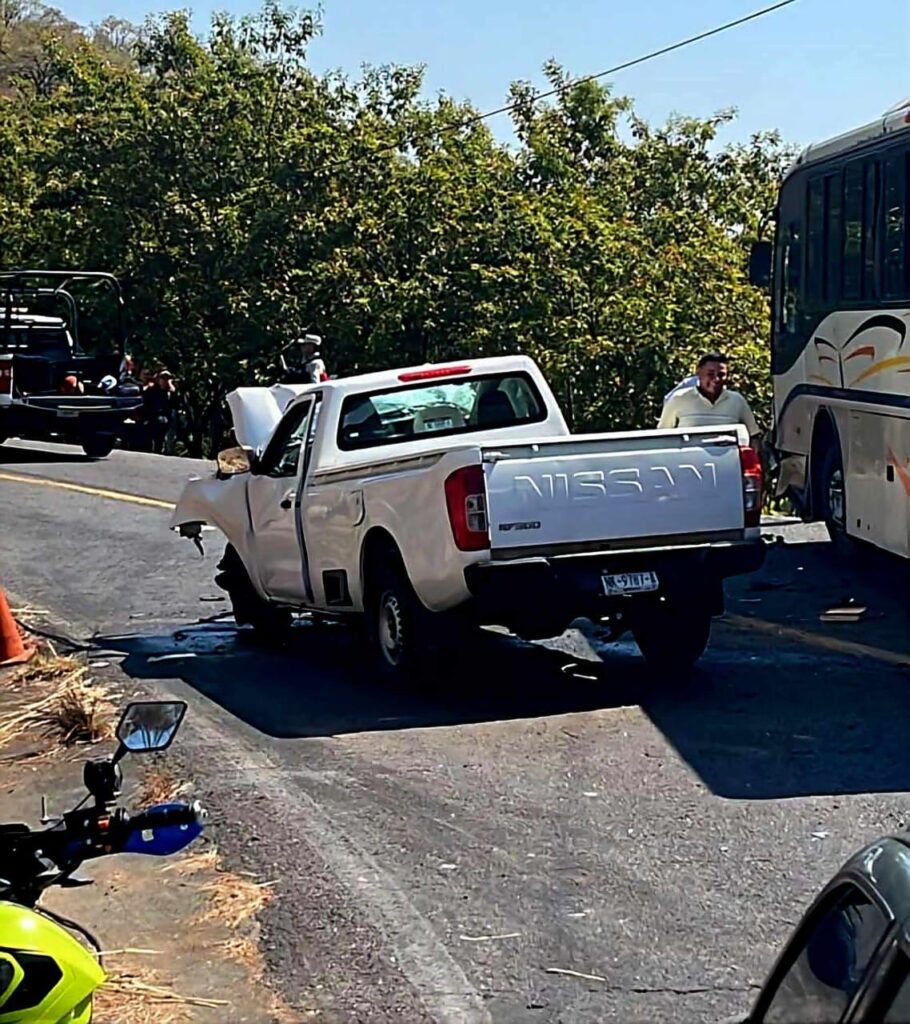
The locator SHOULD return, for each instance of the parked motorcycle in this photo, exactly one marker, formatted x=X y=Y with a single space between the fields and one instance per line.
x=46 y=975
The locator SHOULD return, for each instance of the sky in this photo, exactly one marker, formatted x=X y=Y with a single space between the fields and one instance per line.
x=812 y=70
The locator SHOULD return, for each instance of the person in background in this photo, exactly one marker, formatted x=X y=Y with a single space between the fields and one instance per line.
x=127 y=367
x=146 y=377
x=313 y=366
x=709 y=402
x=160 y=411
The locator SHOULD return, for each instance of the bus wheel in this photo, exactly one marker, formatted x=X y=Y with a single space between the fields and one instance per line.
x=833 y=500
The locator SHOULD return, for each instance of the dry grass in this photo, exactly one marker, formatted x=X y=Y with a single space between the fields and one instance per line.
x=232 y=900
x=55 y=699
x=241 y=949
x=136 y=995
x=81 y=713
x=207 y=860
x=160 y=787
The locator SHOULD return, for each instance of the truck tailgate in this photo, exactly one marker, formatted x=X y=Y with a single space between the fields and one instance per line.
x=614 y=488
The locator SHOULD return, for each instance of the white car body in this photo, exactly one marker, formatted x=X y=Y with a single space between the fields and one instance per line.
x=304 y=537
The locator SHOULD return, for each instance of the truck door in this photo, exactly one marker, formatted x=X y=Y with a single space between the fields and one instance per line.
x=274 y=495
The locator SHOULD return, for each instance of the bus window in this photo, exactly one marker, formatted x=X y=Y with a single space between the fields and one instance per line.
x=895 y=192
x=793 y=265
x=815 y=243
x=853 y=230
x=834 y=187
x=870 y=234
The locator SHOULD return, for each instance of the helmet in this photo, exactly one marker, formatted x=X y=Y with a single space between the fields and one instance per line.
x=46 y=976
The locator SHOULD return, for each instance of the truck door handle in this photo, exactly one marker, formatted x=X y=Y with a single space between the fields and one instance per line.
x=287 y=501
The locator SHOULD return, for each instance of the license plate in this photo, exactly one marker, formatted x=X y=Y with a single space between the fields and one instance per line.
x=620 y=583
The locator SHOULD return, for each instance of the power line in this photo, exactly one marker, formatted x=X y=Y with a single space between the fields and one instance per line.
x=559 y=90
x=625 y=66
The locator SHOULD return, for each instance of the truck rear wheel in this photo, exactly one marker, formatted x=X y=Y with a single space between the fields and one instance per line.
x=393 y=623
x=268 y=622
x=673 y=634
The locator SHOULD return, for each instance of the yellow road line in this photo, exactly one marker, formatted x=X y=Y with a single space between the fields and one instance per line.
x=828 y=643
x=98 y=492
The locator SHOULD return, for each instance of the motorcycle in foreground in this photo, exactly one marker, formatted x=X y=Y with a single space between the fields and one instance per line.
x=46 y=975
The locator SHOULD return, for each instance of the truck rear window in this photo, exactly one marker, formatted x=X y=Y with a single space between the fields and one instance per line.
x=441 y=408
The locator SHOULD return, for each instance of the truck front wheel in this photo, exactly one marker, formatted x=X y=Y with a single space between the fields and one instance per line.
x=268 y=622
x=673 y=634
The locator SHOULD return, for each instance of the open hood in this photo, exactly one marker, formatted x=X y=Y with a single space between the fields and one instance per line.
x=257 y=411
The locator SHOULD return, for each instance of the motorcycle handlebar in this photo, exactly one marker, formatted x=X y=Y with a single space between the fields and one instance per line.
x=160 y=817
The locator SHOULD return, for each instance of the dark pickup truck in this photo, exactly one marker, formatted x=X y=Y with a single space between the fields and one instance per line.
x=51 y=388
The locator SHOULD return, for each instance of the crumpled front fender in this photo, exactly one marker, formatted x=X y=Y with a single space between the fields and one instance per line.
x=220 y=503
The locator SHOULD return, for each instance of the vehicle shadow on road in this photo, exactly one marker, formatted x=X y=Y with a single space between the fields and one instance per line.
x=758 y=720
x=789 y=718
x=14 y=456
x=321 y=682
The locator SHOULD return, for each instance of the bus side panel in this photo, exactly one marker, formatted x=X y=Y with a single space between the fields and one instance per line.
x=877 y=473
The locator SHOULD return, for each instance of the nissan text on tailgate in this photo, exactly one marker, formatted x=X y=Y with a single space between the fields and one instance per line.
x=439 y=498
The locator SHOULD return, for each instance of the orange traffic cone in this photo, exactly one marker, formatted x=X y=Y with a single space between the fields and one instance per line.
x=12 y=649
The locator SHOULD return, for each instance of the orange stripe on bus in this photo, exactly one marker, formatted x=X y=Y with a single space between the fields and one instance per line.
x=865 y=350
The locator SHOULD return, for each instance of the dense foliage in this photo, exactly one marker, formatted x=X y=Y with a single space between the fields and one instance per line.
x=243 y=198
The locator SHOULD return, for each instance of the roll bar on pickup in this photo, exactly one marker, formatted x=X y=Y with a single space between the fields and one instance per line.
x=55 y=284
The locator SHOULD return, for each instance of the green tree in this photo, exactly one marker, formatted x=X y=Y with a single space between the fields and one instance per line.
x=242 y=199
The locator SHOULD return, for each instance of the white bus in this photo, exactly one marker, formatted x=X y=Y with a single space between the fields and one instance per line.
x=840 y=270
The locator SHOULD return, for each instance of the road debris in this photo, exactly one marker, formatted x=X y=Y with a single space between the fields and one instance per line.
x=574 y=974
x=489 y=938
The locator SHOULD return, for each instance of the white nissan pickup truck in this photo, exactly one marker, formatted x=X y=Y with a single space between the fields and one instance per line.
x=421 y=501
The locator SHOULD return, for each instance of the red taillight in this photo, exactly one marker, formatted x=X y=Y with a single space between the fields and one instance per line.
x=6 y=377
x=466 y=498
x=434 y=373
x=752 y=484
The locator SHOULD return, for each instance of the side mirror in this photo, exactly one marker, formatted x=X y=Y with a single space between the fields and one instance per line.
x=760 y=264
x=149 y=725
x=233 y=461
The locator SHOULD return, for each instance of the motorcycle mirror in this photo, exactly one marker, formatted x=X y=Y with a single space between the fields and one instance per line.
x=149 y=725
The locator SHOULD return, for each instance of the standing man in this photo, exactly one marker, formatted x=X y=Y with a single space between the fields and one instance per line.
x=160 y=407
x=314 y=370
x=709 y=403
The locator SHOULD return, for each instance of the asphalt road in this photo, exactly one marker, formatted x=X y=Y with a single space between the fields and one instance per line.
x=440 y=852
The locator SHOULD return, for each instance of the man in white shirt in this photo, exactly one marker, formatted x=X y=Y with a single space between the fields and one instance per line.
x=689 y=382
x=709 y=402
